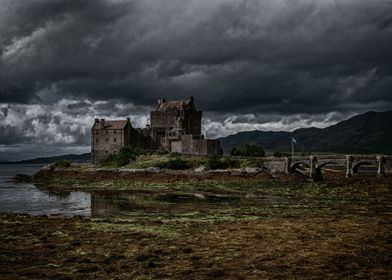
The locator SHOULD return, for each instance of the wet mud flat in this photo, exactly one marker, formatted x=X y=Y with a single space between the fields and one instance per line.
x=265 y=229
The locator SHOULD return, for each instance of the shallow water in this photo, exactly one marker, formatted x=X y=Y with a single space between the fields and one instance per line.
x=40 y=200
x=28 y=199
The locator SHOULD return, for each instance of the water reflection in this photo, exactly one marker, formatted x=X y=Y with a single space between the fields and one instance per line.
x=28 y=199
x=109 y=203
x=36 y=200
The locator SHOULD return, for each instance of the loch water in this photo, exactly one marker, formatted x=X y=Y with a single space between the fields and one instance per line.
x=26 y=198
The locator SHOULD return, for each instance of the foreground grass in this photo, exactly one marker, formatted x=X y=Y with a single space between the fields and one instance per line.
x=269 y=229
x=36 y=248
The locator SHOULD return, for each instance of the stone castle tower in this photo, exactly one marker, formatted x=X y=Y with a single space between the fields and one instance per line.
x=175 y=127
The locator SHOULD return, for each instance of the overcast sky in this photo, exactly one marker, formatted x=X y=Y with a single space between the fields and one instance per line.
x=267 y=65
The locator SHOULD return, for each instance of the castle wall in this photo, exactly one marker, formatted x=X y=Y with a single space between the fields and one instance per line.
x=190 y=120
x=213 y=147
x=193 y=123
x=143 y=138
x=176 y=147
x=190 y=145
x=106 y=142
x=163 y=119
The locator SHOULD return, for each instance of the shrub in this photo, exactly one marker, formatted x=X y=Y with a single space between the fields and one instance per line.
x=230 y=163
x=248 y=151
x=213 y=162
x=254 y=162
x=216 y=162
x=62 y=163
x=175 y=163
x=125 y=156
x=174 y=155
x=281 y=154
x=161 y=152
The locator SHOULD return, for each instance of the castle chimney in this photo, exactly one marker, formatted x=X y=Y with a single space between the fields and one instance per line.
x=96 y=121
x=161 y=100
x=128 y=119
x=191 y=98
x=103 y=123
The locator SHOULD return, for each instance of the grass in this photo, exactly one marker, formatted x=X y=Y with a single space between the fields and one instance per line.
x=159 y=160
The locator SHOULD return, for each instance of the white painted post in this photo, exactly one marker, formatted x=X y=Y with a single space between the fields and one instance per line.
x=313 y=162
x=381 y=166
x=349 y=164
x=287 y=161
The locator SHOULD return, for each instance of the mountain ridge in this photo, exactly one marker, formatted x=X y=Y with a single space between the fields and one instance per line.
x=80 y=158
x=365 y=133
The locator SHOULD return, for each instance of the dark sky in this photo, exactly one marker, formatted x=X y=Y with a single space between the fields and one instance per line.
x=268 y=65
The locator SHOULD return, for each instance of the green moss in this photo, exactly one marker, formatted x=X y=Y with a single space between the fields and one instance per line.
x=62 y=163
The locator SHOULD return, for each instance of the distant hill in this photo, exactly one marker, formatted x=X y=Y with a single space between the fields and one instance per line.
x=367 y=133
x=71 y=157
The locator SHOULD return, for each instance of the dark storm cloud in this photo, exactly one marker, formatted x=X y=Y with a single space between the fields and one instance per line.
x=65 y=122
x=237 y=56
x=252 y=64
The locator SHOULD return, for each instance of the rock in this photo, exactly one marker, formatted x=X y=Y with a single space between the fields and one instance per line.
x=201 y=168
x=48 y=167
x=252 y=170
x=219 y=171
x=139 y=170
x=199 y=196
x=153 y=169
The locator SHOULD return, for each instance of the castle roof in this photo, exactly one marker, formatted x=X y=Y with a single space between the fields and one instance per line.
x=173 y=105
x=116 y=124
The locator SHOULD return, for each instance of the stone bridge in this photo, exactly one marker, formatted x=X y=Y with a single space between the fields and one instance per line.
x=316 y=163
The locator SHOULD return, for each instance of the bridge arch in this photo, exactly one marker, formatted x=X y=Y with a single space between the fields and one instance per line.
x=320 y=166
x=327 y=163
x=357 y=165
x=296 y=165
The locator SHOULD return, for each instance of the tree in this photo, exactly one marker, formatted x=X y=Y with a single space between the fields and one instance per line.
x=248 y=150
x=125 y=156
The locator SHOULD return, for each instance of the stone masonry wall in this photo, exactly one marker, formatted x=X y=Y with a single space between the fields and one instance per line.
x=190 y=145
x=106 y=142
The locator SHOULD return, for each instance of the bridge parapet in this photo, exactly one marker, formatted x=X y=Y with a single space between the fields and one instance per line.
x=350 y=162
x=355 y=161
x=330 y=157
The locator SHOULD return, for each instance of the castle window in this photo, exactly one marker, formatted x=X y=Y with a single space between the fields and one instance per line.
x=107 y=131
x=96 y=140
x=107 y=139
x=115 y=131
x=114 y=139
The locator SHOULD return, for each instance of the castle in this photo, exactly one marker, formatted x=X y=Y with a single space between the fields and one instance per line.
x=175 y=126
